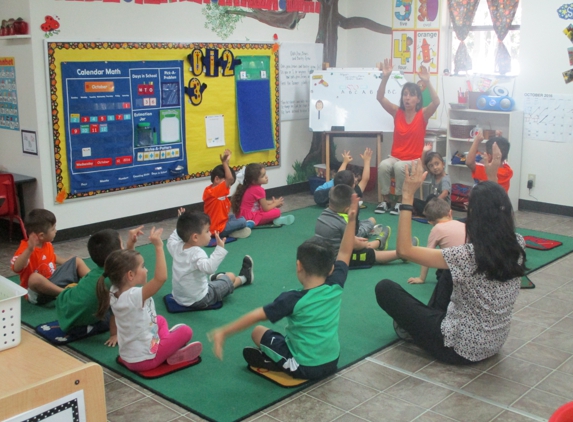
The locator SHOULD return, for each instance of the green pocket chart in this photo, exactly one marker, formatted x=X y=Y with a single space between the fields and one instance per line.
x=254 y=111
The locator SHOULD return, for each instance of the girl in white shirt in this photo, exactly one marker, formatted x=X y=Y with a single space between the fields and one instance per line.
x=144 y=338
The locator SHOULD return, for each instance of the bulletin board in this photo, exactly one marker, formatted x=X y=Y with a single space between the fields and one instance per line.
x=128 y=115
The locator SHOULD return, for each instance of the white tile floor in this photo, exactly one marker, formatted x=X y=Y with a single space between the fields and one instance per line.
x=527 y=381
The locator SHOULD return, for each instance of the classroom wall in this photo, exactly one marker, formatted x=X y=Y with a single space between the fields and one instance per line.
x=129 y=22
x=543 y=58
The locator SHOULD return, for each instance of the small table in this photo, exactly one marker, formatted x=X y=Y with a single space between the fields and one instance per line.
x=20 y=180
x=326 y=148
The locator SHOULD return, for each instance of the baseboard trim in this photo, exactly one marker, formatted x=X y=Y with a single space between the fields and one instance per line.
x=535 y=206
x=157 y=216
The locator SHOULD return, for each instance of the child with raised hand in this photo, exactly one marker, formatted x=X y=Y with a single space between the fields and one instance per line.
x=250 y=201
x=495 y=168
x=446 y=232
x=44 y=273
x=217 y=204
x=310 y=348
x=76 y=308
x=145 y=341
x=196 y=282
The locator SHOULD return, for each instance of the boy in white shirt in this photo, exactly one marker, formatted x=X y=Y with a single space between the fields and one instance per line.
x=196 y=283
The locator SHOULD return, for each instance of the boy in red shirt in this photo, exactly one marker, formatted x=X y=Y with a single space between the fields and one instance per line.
x=35 y=260
x=495 y=147
x=217 y=204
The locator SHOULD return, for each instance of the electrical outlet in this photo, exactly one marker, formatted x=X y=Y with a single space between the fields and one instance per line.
x=530 y=180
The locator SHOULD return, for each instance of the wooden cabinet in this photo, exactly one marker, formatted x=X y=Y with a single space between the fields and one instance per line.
x=511 y=125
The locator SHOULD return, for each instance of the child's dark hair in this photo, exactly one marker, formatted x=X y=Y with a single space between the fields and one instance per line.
x=116 y=266
x=316 y=256
x=436 y=208
x=498 y=254
x=344 y=177
x=252 y=174
x=502 y=143
x=339 y=198
x=190 y=223
x=39 y=220
x=430 y=156
x=102 y=244
x=219 y=172
x=414 y=89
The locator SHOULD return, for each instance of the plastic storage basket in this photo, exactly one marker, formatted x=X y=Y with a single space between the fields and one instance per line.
x=461 y=128
x=10 y=307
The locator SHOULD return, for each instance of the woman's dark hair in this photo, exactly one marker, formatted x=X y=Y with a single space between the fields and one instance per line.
x=116 y=265
x=413 y=89
x=252 y=173
x=491 y=230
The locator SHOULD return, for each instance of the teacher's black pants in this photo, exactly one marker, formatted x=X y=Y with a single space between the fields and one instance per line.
x=422 y=322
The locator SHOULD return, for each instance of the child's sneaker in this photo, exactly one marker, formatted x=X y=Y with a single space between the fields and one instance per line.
x=250 y=224
x=361 y=205
x=241 y=233
x=382 y=208
x=187 y=353
x=402 y=334
x=285 y=220
x=213 y=277
x=384 y=237
x=396 y=209
x=376 y=230
x=258 y=359
x=247 y=270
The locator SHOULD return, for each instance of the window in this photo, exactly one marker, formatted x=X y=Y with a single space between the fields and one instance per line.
x=482 y=42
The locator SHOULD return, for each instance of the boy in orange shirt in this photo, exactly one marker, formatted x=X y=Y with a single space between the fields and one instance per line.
x=35 y=260
x=496 y=148
x=217 y=204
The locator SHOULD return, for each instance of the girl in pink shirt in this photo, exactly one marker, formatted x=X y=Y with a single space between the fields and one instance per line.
x=250 y=201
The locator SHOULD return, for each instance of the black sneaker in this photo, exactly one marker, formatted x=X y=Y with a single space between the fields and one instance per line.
x=213 y=277
x=402 y=334
x=258 y=359
x=382 y=208
x=247 y=270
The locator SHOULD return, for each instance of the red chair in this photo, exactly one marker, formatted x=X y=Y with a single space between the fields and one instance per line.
x=10 y=209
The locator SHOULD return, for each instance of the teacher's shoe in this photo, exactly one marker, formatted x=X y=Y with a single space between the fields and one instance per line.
x=382 y=208
x=396 y=210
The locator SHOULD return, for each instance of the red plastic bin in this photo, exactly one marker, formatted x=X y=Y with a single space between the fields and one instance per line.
x=563 y=414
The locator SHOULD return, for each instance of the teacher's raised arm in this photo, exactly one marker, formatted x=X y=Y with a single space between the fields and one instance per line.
x=431 y=108
x=386 y=68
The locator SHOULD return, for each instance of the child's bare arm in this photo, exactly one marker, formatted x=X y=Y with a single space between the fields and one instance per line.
x=427 y=148
x=218 y=335
x=267 y=205
x=132 y=237
x=225 y=158
x=471 y=157
x=347 y=244
x=112 y=340
x=22 y=261
x=346 y=158
x=492 y=167
x=366 y=157
x=422 y=278
x=60 y=260
x=160 y=276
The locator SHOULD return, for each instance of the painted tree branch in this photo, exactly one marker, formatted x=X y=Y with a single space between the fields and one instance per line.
x=285 y=20
x=359 y=22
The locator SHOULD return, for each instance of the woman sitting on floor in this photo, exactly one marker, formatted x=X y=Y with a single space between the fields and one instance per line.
x=467 y=319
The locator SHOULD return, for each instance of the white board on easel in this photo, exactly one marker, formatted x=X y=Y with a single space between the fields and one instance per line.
x=346 y=97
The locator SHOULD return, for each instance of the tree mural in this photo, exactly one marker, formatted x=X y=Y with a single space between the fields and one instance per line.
x=329 y=22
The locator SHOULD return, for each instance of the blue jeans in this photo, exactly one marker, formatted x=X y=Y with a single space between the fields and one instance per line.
x=233 y=224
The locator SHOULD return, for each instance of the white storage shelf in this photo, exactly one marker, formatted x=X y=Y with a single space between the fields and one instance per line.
x=511 y=125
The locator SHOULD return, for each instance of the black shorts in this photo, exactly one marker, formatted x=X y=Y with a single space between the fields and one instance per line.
x=366 y=256
x=274 y=346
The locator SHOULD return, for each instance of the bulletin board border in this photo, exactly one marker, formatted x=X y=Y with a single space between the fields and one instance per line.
x=57 y=126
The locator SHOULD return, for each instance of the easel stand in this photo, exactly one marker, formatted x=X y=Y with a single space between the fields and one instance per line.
x=326 y=148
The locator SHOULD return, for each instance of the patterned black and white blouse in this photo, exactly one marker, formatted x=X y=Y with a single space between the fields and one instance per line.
x=477 y=321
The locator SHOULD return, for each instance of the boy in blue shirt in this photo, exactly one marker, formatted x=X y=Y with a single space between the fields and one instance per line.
x=310 y=348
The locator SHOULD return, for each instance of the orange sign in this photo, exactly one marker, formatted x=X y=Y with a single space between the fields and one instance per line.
x=99 y=86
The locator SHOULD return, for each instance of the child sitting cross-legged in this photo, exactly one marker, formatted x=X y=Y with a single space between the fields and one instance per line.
x=310 y=348
x=446 y=232
x=196 y=282
x=332 y=222
x=144 y=338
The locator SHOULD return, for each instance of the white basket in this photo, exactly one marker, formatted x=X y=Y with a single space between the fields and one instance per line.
x=10 y=306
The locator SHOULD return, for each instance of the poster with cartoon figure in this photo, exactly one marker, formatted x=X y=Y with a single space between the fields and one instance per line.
x=403 y=14
x=427 y=43
x=403 y=51
x=427 y=14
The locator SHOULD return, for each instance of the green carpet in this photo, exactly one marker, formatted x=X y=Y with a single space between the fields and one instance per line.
x=227 y=391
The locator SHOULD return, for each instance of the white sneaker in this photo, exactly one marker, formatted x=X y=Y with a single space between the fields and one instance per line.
x=396 y=210
x=241 y=233
x=382 y=208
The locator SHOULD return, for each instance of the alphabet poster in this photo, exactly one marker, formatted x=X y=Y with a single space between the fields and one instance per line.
x=128 y=115
x=8 y=94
